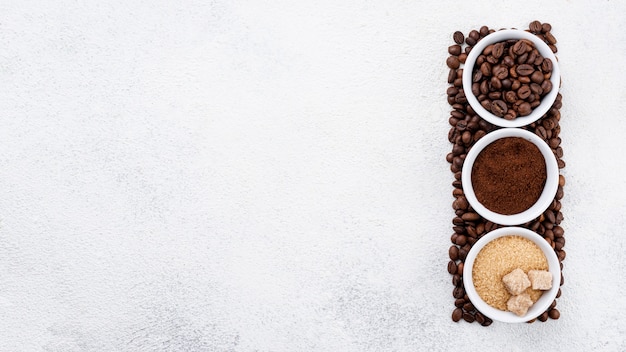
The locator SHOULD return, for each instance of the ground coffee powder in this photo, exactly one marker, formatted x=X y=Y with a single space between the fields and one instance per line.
x=509 y=175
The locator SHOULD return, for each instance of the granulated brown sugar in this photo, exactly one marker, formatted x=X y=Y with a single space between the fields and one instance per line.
x=498 y=258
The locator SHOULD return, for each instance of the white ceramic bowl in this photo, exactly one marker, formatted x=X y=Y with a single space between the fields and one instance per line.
x=546 y=298
x=549 y=190
x=546 y=101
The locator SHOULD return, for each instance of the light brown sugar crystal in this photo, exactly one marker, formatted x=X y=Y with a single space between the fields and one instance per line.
x=540 y=279
x=499 y=258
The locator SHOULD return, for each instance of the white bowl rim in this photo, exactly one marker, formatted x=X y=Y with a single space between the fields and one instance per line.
x=546 y=101
x=549 y=190
x=546 y=298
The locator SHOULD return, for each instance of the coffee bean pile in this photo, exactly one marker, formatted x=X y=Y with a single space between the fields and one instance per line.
x=467 y=128
x=510 y=78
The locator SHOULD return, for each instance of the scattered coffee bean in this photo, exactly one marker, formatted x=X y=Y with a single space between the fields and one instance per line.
x=457 y=314
x=458 y=37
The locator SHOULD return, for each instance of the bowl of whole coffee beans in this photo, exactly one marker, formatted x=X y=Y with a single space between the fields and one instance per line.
x=512 y=275
x=511 y=78
x=510 y=176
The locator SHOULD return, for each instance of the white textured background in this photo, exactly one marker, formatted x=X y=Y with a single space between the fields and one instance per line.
x=271 y=176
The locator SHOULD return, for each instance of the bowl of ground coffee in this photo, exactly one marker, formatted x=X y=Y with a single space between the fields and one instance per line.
x=511 y=78
x=510 y=176
x=509 y=259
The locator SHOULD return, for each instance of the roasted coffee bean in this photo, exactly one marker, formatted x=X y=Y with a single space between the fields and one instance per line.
x=543 y=316
x=499 y=108
x=480 y=318
x=453 y=62
x=537 y=77
x=546 y=27
x=468 y=306
x=457 y=280
x=454 y=50
x=474 y=34
x=554 y=314
x=470 y=41
x=461 y=240
x=522 y=70
x=452 y=267
x=498 y=50
x=535 y=27
x=459 y=302
x=462 y=202
x=462 y=255
x=457 y=314
x=458 y=37
x=484 y=31
x=524 y=109
x=468 y=317
x=546 y=65
x=458 y=292
x=550 y=38
x=453 y=252
x=500 y=72
x=510 y=97
x=451 y=75
x=524 y=92
x=546 y=86
x=519 y=48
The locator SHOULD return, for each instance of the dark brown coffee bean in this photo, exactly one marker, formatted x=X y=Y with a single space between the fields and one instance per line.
x=546 y=65
x=458 y=292
x=541 y=132
x=546 y=86
x=461 y=265
x=454 y=50
x=471 y=216
x=508 y=61
x=522 y=70
x=495 y=95
x=554 y=314
x=468 y=317
x=458 y=37
x=462 y=256
x=457 y=314
x=451 y=75
x=537 y=77
x=535 y=27
x=484 y=31
x=524 y=92
x=480 y=318
x=485 y=69
x=470 y=41
x=524 y=109
x=522 y=58
x=459 y=302
x=457 y=280
x=462 y=202
x=453 y=62
x=510 y=97
x=550 y=38
x=474 y=34
x=498 y=50
x=500 y=72
x=461 y=240
x=546 y=27
x=519 y=48
x=479 y=134
x=468 y=306
x=452 y=267
x=453 y=252
x=536 y=89
x=499 y=108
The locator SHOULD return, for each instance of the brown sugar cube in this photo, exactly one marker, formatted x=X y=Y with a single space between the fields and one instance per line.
x=516 y=281
x=519 y=304
x=540 y=279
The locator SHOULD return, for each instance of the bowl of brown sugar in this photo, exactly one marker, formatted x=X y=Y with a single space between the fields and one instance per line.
x=510 y=176
x=511 y=275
